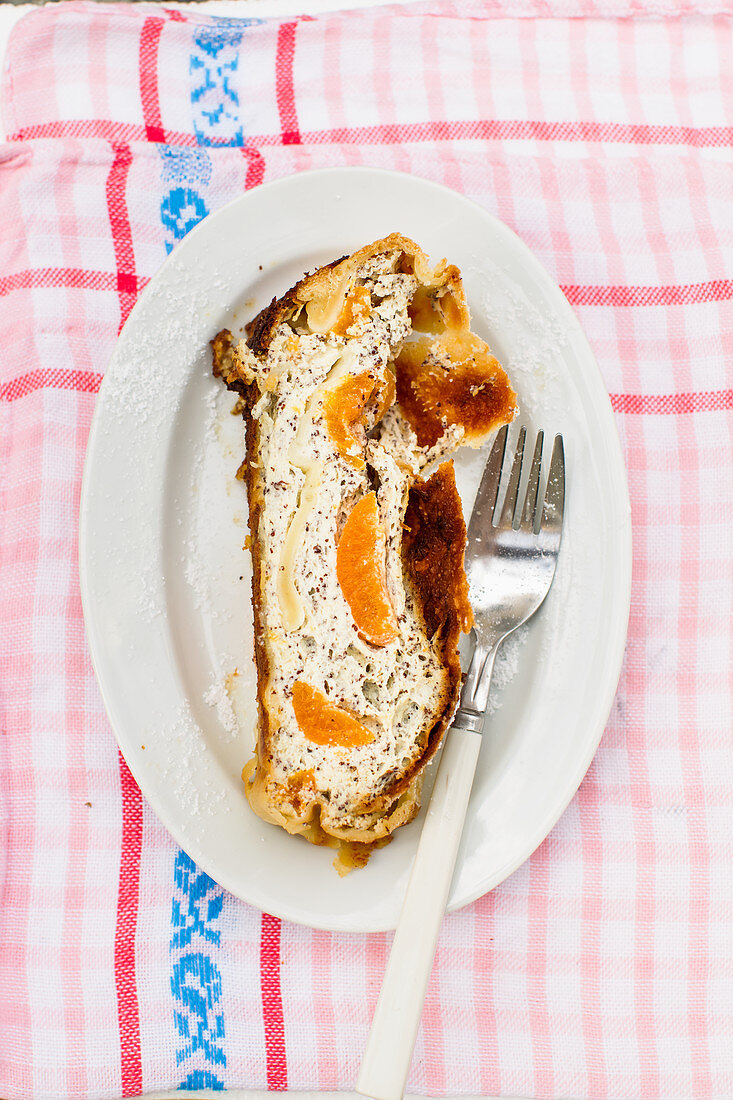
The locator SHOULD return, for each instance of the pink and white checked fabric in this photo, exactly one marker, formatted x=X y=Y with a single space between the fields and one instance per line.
x=604 y=966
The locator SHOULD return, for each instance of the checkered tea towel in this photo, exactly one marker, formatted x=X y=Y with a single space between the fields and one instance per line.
x=602 y=134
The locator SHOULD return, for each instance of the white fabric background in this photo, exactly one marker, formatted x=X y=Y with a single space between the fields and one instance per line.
x=11 y=13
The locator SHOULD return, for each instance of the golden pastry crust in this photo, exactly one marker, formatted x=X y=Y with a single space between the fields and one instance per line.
x=322 y=294
x=434 y=538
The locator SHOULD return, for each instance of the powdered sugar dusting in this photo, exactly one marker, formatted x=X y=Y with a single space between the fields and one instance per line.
x=217 y=697
x=209 y=491
x=215 y=533
x=506 y=666
x=150 y=598
x=188 y=769
x=535 y=338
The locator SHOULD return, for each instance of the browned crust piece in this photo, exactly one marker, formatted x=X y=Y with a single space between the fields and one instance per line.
x=452 y=380
x=433 y=552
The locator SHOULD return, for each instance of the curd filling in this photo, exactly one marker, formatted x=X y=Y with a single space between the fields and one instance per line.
x=313 y=476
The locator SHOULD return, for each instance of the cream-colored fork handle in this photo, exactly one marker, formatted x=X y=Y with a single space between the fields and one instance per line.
x=394 y=1028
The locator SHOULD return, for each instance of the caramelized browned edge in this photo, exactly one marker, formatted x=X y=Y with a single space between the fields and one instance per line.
x=433 y=551
x=484 y=402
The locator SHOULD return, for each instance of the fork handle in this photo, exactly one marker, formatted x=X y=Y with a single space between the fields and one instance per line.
x=391 y=1040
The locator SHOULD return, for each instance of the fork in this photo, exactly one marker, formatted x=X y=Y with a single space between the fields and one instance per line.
x=511 y=556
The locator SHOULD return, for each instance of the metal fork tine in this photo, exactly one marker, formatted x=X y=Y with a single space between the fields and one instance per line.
x=512 y=492
x=510 y=569
x=492 y=475
x=552 y=510
x=533 y=486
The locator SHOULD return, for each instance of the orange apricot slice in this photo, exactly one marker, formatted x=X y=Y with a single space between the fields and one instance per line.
x=360 y=568
x=343 y=411
x=356 y=307
x=323 y=722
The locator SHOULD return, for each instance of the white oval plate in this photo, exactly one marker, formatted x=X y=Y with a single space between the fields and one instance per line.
x=165 y=582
